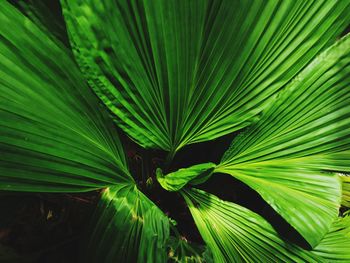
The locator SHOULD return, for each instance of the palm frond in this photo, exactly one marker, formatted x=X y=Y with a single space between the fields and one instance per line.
x=181 y=72
x=236 y=234
x=127 y=227
x=289 y=156
x=181 y=250
x=335 y=246
x=194 y=175
x=54 y=135
x=345 y=179
x=45 y=15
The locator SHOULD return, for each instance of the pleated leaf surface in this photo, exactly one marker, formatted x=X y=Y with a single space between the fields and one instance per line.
x=181 y=72
x=127 y=227
x=335 y=246
x=236 y=234
x=345 y=179
x=290 y=155
x=54 y=135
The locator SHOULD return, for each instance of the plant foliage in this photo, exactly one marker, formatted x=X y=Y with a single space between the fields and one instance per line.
x=174 y=73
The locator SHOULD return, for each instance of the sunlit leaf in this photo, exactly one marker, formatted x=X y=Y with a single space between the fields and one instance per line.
x=127 y=227
x=335 y=246
x=345 y=179
x=195 y=174
x=236 y=234
x=289 y=156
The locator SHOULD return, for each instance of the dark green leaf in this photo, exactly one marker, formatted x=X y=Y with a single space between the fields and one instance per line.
x=46 y=15
x=180 y=72
x=54 y=136
x=181 y=250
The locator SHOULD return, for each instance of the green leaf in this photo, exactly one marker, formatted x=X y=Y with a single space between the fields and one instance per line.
x=236 y=234
x=127 y=227
x=181 y=250
x=46 y=15
x=345 y=201
x=308 y=200
x=335 y=246
x=286 y=156
x=194 y=175
x=54 y=135
x=181 y=72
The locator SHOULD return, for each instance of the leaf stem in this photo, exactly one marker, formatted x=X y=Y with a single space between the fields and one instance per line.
x=168 y=160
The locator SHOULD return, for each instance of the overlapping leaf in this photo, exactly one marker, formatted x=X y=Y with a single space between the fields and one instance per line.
x=345 y=179
x=46 y=15
x=127 y=227
x=290 y=154
x=181 y=250
x=195 y=174
x=54 y=135
x=236 y=234
x=174 y=73
x=335 y=246
x=180 y=72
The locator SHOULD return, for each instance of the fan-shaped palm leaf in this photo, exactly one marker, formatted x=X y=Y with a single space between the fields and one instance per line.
x=127 y=227
x=180 y=72
x=175 y=73
x=345 y=179
x=282 y=156
x=304 y=132
x=46 y=15
x=236 y=234
x=54 y=135
x=334 y=247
